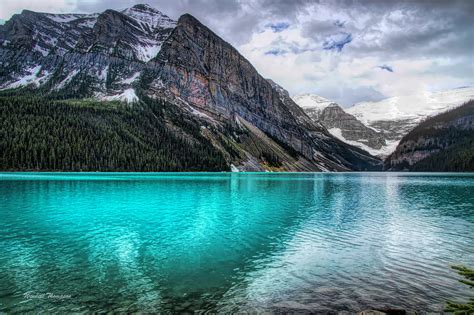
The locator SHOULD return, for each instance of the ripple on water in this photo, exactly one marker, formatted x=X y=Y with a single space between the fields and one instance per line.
x=233 y=242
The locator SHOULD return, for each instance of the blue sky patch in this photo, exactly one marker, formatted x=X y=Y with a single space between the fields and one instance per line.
x=279 y=27
x=276 y=52
x=337 y=42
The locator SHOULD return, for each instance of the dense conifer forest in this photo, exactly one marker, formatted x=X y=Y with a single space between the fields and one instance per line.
x=457 y=158
x=451 y=134
x=40 y=133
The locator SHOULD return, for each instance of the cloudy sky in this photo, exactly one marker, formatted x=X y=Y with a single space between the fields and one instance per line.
x=344 y=50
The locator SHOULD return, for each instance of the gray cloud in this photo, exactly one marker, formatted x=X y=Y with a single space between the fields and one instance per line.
x=414 y=26
x=347 y=95
x=400 y=28
x=318 y=29
x=386 y=31
x=235 y=20
x=226 y=18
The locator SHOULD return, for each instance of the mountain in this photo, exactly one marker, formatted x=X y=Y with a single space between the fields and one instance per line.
x=444 y=142
x=197 y=88
x=394 y=117
x=341 y=124
x=77 y=55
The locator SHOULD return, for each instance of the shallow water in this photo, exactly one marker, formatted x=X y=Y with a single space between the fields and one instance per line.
x=233 y=242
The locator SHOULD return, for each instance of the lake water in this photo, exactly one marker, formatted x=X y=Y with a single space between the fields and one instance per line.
x=155 y=242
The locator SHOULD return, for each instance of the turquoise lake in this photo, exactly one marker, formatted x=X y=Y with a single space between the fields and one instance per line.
x=153 y=242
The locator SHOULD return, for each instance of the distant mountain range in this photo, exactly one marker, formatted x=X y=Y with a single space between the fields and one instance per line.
x=444 y=142
x=396 y=116
x=340 y=124
x=135 y=90
x=378 y=127
x=194 y=103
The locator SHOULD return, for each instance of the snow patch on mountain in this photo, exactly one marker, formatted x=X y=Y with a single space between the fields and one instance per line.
x=102 y=75
x=149 y=50
x=384 y=151
x=149 y=20
x=88 y=22
x=33 y=76
x=64 y=34
x=66 y=80
x=148 y=16
x=68 y=17
x=128 y=95
x=199 y=113
x=343 y=125
x=396 y=116
x=41 y=50
x=131 y=79
x=65 y=18
x=313 y=101
x=411 y=107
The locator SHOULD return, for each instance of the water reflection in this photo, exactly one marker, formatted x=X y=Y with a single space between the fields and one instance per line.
x=233 y=242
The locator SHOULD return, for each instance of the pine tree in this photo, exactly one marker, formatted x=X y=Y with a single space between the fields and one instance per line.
x=38 y=133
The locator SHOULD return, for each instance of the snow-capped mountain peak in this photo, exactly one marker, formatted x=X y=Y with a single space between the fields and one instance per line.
x=149 y=16
x=396 y=116
x=68 y=18
x=377 y=127
x=411 y=107
x=313 y=101
x=85 y=44
x=341 y=124
x=202 y=82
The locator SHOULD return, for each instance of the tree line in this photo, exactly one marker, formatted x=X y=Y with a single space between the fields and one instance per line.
x=40 y=133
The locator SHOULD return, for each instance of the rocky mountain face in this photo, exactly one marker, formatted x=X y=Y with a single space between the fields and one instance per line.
x=444 y=142
x=140 y=54
x=200 y=69
x=135 y=33
x=94 y=55
x=395 y=117
x=341 y=124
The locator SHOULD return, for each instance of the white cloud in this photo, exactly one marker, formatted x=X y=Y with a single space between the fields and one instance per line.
x=10 y=7
x=428 y=44
x=401 y=38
